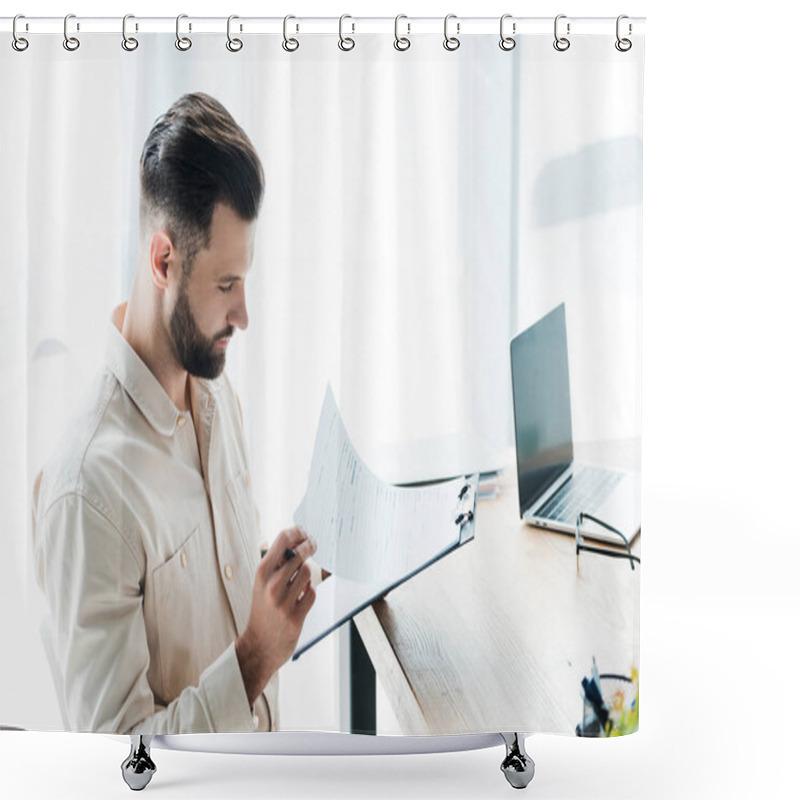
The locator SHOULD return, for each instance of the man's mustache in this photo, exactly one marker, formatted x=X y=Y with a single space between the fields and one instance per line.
x=226 y=334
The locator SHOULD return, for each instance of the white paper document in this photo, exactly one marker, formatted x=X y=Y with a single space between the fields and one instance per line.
x=371 y=535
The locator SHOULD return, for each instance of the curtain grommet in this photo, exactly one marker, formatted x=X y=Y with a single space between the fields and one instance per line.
x=623 y=44
x=401 y=43
x=19 y=43
x=183 y=43
x=233 y=44
x=70 y=43
x=561 y=43
x=507 y=43
x=129 y=43
x=346 y=43
x=451 y=43
x=289 y=44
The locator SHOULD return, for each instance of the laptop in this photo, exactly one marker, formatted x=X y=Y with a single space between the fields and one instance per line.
x=553 y=488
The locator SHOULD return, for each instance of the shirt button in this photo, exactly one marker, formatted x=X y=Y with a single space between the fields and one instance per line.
x=228 y=571
x=256 y=721
x=181 y=421
x=184 y=559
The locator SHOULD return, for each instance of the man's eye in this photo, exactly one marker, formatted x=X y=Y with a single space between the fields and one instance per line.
x=226 y=287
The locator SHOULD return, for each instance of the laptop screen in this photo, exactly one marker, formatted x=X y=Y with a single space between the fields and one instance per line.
x=542 y=413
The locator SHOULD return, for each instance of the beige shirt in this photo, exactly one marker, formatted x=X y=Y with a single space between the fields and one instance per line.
x=146 y=543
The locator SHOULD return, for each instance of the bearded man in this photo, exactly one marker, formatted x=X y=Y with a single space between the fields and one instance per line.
x=164 y=616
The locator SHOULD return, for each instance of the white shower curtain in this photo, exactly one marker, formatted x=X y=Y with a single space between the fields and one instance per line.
x=420 y=209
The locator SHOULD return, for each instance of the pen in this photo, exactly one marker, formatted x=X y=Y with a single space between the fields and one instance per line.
x=288 y=554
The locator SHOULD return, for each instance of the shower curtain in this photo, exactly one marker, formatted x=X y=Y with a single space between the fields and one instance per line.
x=417 y=207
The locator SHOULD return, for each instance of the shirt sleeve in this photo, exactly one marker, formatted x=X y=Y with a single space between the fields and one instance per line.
x=93 y=582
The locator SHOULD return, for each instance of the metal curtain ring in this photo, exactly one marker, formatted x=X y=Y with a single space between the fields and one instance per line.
x=345 y=42
x=623 y=45
x=70 y=42
x=401 y=42
x=128 y=42
x=289 y=45
x=181 y=42
x=506 y=42
x=451 y=42
x=234 y=45
x=561 y=43
x=19 y=43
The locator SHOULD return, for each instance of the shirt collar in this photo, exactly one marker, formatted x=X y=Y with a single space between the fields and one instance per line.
x=140 y=384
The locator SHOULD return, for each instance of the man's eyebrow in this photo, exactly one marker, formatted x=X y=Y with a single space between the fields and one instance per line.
x=229 y=278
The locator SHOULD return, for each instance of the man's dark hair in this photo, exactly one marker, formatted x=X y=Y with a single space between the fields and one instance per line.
x=195 y=157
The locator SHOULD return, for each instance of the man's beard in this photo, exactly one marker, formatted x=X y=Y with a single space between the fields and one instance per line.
x=194 y=351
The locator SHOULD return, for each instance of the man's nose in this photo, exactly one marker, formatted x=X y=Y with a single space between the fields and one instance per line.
x=238 y=317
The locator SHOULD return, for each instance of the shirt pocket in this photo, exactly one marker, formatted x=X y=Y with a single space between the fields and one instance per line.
x=189 y=617
x=240 y=496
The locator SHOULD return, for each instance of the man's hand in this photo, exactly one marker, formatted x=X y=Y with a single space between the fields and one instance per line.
x=282 y=597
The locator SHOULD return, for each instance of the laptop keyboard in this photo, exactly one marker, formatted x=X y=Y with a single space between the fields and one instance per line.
x=585 y=490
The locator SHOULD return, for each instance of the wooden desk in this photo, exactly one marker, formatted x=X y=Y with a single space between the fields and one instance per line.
x=497 y=636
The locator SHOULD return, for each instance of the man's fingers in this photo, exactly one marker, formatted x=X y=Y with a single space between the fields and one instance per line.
x=303 y=605
x=269 y=557
x=275 y=556
x=295 y=538
x=299 y=581
x=291 y=564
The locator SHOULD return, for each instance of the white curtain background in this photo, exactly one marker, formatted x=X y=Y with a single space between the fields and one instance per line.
x=421 y=208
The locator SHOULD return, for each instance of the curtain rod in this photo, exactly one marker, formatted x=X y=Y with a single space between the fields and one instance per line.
x=325 y=25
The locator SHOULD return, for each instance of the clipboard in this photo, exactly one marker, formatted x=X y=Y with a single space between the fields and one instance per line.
x=339 y=599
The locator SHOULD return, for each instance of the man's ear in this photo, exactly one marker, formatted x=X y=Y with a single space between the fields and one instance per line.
x=162 y=259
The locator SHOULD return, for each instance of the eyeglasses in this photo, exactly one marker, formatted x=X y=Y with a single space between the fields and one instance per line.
x=603 y=551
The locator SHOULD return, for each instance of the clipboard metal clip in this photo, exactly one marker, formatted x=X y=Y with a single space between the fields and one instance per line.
x=465 y=507
x=465 y=517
